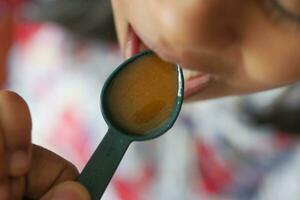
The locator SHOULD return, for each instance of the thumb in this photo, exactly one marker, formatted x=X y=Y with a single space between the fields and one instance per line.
x=68 y=190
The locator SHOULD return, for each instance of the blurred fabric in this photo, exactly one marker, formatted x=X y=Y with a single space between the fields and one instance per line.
x=216 y=150
x=85 y=18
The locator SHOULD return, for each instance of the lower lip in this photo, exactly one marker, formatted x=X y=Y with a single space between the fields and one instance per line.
x=193 y=85
x=132 y=44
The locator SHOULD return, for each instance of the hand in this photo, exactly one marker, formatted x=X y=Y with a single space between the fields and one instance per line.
x=28 y=170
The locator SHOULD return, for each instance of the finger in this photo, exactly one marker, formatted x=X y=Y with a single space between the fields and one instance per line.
x=47 y=170
x=4 y=186
x=17 y=188
x=69 y=190
x=15 y=122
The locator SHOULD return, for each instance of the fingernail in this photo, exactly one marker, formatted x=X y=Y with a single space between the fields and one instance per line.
x=67 y=194
x=61 y=196
x=19 y=163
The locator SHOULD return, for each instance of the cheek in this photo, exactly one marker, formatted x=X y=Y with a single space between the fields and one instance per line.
x=270 y=53
x=198 y=25
x=272 y=64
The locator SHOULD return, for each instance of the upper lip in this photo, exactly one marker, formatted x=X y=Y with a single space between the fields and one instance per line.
x=168 y=55
x=196 y=82
x=141 y=45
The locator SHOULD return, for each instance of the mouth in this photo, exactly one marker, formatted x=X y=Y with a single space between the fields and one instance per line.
x=194 y=81
x=133 y=44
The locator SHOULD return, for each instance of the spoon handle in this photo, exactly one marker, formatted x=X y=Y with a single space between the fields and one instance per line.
x=99 y=170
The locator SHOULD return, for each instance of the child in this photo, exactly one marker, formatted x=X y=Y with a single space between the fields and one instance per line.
x=232 y=48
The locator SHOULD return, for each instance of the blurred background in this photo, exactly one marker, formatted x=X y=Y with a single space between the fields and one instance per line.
x=57 y=54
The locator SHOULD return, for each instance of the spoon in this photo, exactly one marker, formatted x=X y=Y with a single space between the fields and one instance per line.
x=99 y=170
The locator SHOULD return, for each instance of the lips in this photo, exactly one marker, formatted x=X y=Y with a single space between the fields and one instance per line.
x=195 y=81
x=133 y=44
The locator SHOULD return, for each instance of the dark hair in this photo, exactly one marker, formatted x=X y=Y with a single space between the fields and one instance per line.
x=283 y=114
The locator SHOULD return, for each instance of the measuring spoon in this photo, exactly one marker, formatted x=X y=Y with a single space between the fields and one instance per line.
x=135 y=109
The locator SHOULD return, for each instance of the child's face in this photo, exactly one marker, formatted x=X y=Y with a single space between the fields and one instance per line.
x=241 y=46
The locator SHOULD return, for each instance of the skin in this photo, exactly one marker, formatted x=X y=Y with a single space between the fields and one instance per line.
x=242 y=43
x=28 y=170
